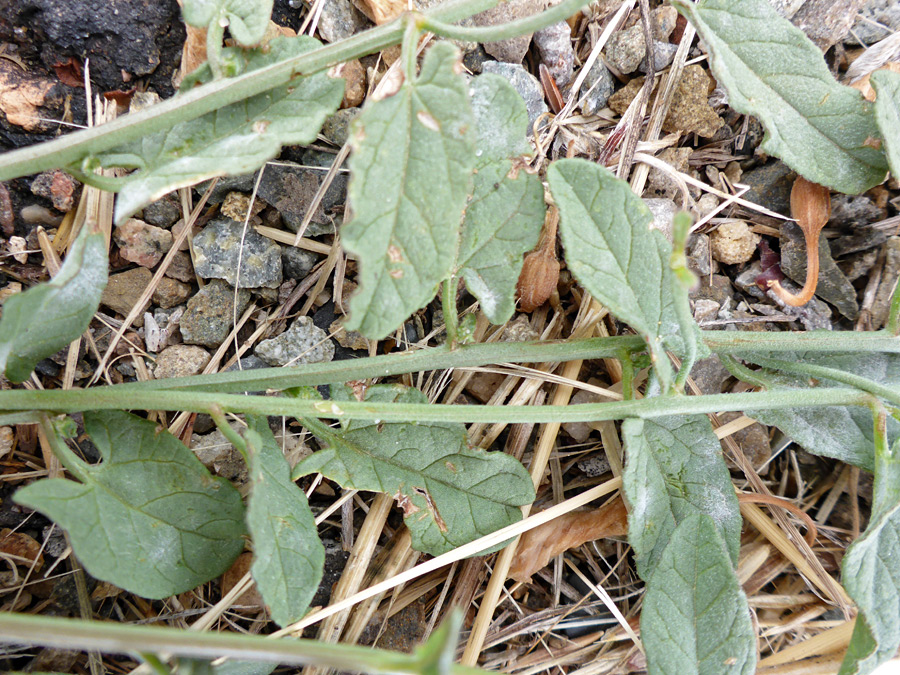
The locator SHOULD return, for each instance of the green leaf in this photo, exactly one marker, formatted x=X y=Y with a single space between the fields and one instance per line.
x=695 y=617
x=244 y=668
x=887 y=114
x=614 y=254
x=44 y=319
x=450 y=493
x=288 y=556
x=233 y=140
x=843 y=433
x=247 y=20
x=675 y=470
x=506 y=211
x=149 y=518
x=869 y=573
x=821 y=129
x=411 y=171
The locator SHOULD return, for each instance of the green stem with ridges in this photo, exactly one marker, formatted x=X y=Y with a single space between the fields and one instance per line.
x=523 y=26
x=451 y=314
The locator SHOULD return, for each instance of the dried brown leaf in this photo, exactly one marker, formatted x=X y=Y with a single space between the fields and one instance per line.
x=538 y=546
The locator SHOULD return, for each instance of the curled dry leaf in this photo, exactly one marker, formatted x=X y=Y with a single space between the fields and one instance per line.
x=540 y=271
x=538 y=546
x=811 y=207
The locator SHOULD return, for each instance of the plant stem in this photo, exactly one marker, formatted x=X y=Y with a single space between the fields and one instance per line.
x=234 y=437
x=627 y=375
x=73 y=463
x=683 y=280
x=451 y=315
x=122 y=638
x=893 y=322
x=529 y=24
x=719 y=342
x=409 y=47
x=823 y=372
x=215 y=33
x=104 y=398
x=71 y=148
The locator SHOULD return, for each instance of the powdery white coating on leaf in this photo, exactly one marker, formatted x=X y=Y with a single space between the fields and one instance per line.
x=506 y=209
x=674 y=468
x=613 y=253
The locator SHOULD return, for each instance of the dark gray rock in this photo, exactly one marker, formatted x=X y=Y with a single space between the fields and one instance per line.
x=770 y=186
x=511 y=50
x=290 y=190
x=218 y=250
x=833 y=285
x=297 y=263
x=554 y=44
x=210 y=314
x=226 y=185
x=710 y=375
x=663 y=55
x=877 y=20
x=524 y=83
x=826 y=22
x=340 y=19
x=303 y=342
x=597 y=88
x=625 y=49
x=163 y=212
x=337 y=126
x=474 y=59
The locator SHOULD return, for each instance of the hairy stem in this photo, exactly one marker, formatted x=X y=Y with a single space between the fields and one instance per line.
x=104 y=398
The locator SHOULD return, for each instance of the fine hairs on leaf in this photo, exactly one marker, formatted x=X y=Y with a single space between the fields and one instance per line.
x=411 y=173
x=450 y=493
x=613 y=253
x=675 y=469
x=246 y=20
x=887 y=114
x=44 y=319
x=869 y=569
x=506 y=209
x=149 y=518
x=695 y=618
x=821 y=129
x=288 y=555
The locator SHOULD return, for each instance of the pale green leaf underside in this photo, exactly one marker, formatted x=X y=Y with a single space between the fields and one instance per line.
x=233 y=140
x=411 y=171
x=674 y=470
x=887 y=114
x=773 y=72
x=44 y=319
x=450 y=493
x=150 y=518
x=614 y=254
x=288 y=556
x=695 y=617
x=247 y=19
x=843 y=433
x=244 y=668
x=506 y=211
x=871 y=575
